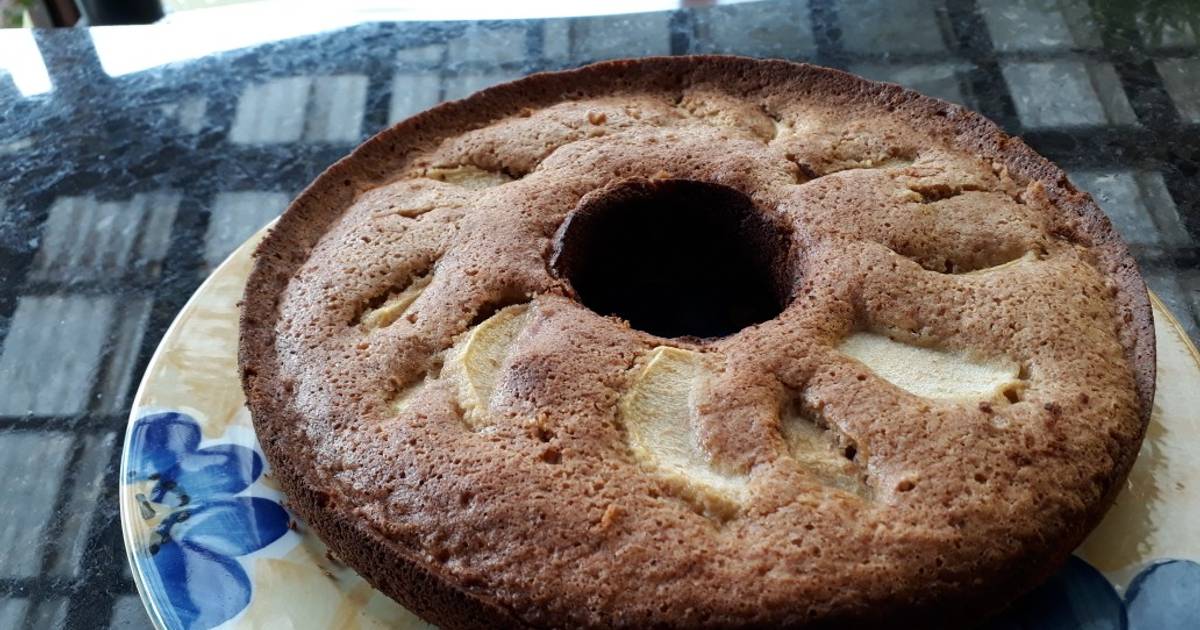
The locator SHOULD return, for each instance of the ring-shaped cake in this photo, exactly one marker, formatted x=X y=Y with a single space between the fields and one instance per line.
x=700 y=341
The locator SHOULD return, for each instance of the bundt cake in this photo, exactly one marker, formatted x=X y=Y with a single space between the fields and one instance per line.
x=697 y=342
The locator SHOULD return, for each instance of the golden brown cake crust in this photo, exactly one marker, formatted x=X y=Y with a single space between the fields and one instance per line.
x=518 y=500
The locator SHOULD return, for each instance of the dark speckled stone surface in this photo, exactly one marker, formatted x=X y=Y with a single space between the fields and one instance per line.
x=124 y=179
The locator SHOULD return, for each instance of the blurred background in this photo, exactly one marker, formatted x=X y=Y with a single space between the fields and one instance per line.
x=108 y=12
x=144 y=140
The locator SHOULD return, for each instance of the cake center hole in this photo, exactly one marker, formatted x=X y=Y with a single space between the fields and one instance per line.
x=675 y=258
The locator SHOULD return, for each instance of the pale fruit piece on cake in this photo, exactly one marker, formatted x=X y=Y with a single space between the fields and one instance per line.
x=474 y=362
x=469 y=177
x=396 y=305
x=657 y=411
x=931 y=372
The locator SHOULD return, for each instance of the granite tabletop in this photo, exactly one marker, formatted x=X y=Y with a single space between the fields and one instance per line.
x=133 y=159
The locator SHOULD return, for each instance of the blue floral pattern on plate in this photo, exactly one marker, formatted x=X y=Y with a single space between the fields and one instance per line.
x=193 y=576
x=1164 y=596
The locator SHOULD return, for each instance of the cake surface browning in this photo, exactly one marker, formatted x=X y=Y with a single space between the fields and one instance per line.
x=954 y=387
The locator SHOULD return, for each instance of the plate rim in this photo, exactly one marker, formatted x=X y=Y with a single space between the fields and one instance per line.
x=126 y=518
